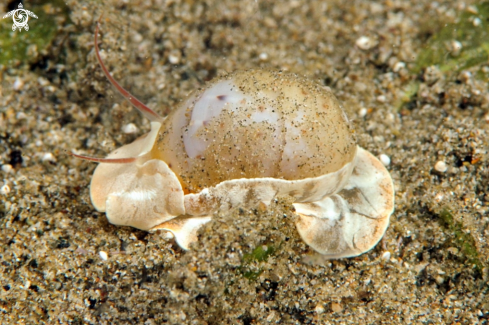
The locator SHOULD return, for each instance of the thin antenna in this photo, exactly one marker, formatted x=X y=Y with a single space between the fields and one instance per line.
x=147 y=112
x=104 y=160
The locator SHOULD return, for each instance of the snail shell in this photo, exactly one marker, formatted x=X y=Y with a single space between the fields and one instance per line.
x=255 y=124
x=244 y=139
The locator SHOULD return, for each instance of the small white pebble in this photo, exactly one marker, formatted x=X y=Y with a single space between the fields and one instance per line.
x=379 y=138
x=466 y=76
x=477 y=22
x=439 y=197
x=21 y=116
x=33 y=227
x=385 y=159
x=103 y=255
x=398 y=66
x=18 y=84
x=440 y=166
x=167 y=235
x=386 y=256
x=363 y=112
x=473 y=9
x=439 y=280
x=381 y=98
x=453 y=250
x=7 y=168
x=272 y=316
x=130 y=128
x=5 y=189
x=263 y=56
x=43 y=81
x=183 y=316
x=365 y=43
x=27 y=284
x=137 y=38
x=319 y=309
x=48 y=157
x=456 y=47
x=173 y=59
x=72 y=171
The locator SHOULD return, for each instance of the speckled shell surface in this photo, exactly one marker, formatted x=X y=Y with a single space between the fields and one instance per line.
x=255 y=124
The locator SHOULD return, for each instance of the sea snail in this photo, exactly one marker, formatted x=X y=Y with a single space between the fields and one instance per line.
x=242 y=140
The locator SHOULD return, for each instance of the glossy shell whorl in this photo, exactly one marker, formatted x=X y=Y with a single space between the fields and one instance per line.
x=255 y=124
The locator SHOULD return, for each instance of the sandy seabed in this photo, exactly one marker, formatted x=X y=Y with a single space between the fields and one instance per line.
x=430 y=268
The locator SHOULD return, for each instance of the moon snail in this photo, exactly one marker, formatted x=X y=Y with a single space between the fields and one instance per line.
x=241 y=140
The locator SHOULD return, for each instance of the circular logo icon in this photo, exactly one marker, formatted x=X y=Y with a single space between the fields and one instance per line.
x=20 y=18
